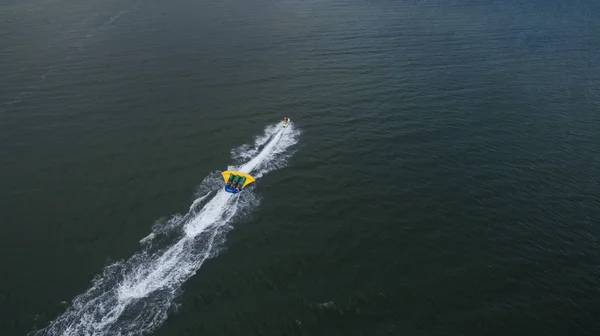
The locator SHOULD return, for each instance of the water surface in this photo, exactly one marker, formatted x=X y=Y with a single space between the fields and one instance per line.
x=444 y=179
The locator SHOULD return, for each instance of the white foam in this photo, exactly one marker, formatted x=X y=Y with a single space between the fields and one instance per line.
x=133 y=297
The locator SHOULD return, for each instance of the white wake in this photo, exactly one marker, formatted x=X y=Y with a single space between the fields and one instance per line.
x=134 y=297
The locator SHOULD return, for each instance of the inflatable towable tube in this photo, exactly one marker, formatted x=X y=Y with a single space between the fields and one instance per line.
x=236 y=181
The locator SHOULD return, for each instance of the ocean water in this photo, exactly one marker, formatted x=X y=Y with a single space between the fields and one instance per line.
x=440 y=176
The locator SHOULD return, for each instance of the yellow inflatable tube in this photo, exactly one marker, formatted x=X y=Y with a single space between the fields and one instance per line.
x=227 y=173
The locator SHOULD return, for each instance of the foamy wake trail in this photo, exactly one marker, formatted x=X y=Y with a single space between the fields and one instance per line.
x=135 y=296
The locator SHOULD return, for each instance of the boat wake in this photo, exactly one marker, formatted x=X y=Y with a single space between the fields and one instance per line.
x=135 y=296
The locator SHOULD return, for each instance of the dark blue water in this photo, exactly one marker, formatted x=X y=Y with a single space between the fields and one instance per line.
x=441 y=175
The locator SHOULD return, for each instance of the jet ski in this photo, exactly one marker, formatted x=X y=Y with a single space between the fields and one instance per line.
x=286 y=121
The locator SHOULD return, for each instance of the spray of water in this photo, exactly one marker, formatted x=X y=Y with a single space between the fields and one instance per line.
x=135 y=296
